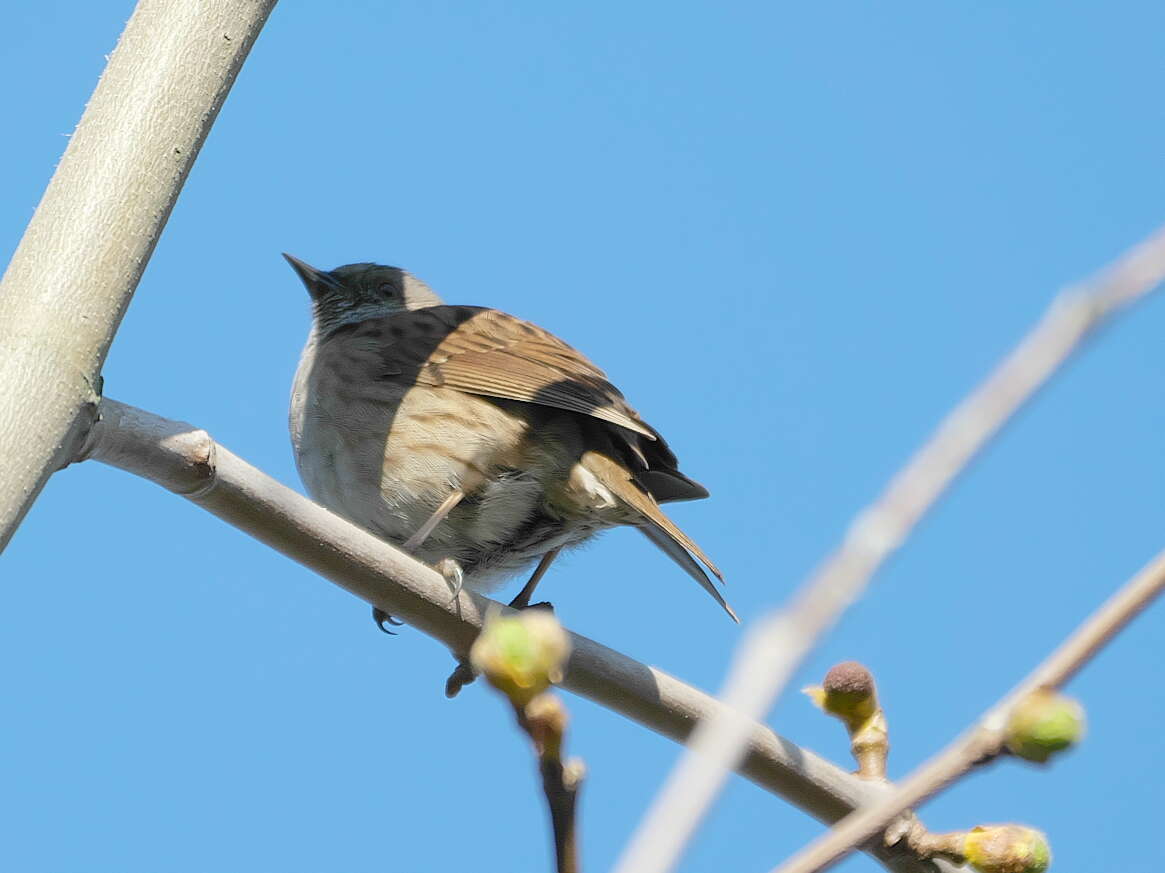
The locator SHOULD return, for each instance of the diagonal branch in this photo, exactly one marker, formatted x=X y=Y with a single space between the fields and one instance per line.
x=985 y=739
x=187 y=461
x=63 y=294
x=778 y=643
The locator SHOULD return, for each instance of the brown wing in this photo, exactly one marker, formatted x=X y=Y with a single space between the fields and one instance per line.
x=487 y=352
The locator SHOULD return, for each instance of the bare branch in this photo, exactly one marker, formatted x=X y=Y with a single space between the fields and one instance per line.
x=986 y=738
x=187 y=461
x=778 y=643
x=77 y=266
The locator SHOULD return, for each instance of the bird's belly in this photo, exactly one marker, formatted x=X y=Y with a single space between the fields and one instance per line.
x=340 y=471
x=388 y=466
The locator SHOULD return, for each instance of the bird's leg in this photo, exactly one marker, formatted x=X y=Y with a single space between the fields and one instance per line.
x=522 y=601
x=416 y=540
x=453 y=574
x=422 y=534
x=463 y=673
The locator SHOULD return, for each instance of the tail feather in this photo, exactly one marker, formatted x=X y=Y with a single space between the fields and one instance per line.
x=673 y=550
x=668 y=485
x=656 y=526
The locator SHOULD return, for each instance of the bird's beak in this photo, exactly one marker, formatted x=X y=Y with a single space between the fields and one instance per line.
x=314 y=280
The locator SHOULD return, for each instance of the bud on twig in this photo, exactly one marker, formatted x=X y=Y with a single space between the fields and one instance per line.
x=1006 y=849
x=521 y=655
x=848 y=693
x=1043 y=723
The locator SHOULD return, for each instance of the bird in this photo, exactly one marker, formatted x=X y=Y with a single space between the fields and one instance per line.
x=480 y=443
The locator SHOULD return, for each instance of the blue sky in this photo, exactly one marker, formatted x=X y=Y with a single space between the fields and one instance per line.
x=794 y=234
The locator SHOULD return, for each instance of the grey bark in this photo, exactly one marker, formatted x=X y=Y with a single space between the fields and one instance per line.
x=187 y=461
x=76 y=268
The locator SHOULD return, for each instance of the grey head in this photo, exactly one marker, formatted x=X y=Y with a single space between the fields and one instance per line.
x=356 y=292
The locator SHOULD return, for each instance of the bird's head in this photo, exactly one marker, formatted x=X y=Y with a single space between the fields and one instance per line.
x=356 y=292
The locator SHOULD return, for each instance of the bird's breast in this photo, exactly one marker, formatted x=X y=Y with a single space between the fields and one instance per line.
x=385 y=453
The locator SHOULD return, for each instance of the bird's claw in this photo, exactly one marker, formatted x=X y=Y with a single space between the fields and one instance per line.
x=453 y=574
x=461 y=676
x=382 y=618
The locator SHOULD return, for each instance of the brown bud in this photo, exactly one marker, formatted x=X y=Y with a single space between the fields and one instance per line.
x=847 y=692
x=849 y=678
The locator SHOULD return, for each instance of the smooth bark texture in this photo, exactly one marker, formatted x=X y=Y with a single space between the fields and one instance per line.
x=187 y=461
x=76 y=268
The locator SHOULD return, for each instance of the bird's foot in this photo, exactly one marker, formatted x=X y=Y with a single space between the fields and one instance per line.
x=382 y=618
x=454 y=577
x=461 y=676
x=453 y=574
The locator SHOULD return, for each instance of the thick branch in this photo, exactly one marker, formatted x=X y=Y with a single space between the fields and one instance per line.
x=187 y=461
x=986 y=738
x=77 y=266
x=774 y=649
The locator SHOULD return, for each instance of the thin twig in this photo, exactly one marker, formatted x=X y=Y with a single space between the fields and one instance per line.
x=779 y=642
x=560 y=783
x=544 y=720
x=187 y=461
x=986 y=738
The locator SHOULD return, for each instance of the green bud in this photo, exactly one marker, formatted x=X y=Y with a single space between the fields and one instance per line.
x=521 y=655
x=1042 y=724
x=1006 y=849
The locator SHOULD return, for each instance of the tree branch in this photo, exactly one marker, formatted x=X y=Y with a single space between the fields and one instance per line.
x=80 y=259
x=986 y=738
x=778 y=643
x=187 y=461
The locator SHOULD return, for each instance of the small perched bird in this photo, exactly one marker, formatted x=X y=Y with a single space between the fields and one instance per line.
x=475 y=440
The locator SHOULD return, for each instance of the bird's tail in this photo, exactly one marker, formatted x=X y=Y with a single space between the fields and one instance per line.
x=654 y=525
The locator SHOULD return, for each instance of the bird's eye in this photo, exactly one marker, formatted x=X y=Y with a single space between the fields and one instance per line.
x=387 y=289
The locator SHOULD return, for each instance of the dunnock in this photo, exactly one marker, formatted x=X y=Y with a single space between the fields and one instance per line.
x=475 y=440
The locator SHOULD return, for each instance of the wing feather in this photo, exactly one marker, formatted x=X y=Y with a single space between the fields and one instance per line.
x=487 y=352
